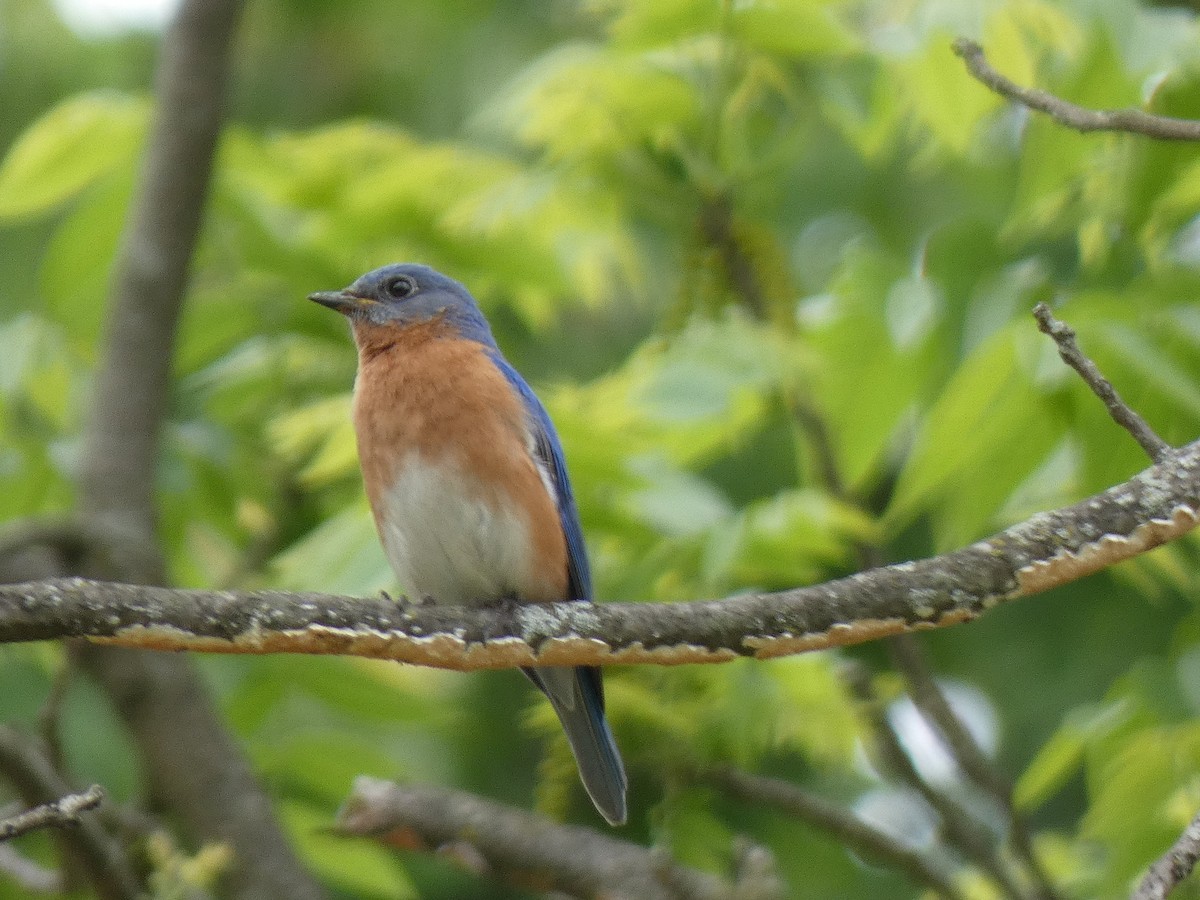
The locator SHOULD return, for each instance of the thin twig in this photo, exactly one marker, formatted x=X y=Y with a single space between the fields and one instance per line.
x=847 y=828
x=966 y=834
x=61 y=813
x=1173 y=866
x=931 y=701
x=1080 y=118
x=33 y=877
x=520 y=846
x=24 y=762
x=908 y=657
x=1068 y=349
x=50 y=715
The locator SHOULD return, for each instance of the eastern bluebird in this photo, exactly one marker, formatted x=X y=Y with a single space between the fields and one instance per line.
x=467 y=481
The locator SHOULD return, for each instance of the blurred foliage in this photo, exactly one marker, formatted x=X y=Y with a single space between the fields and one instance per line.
x=690 y=222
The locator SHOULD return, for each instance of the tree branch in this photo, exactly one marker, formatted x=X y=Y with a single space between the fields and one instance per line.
x=845 y=827
x=24 y=762
x=971 y=838
x=61 y=813
x=1080 y=118
x=1173 y=866
x=520 y=846
x=121 y=436
x=929 y=699
x=1049 y=549
x=193 y=765
x=29 y=875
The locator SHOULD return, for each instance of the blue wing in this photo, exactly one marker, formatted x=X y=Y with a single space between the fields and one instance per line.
x=550 y=454
x=577 y=694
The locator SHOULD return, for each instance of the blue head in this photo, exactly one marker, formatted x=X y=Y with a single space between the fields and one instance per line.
x=406 y=294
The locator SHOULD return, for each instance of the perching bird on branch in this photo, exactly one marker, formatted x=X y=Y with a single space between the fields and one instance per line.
x=467 y=480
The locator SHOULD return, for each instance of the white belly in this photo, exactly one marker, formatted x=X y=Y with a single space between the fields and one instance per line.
x=446 y=543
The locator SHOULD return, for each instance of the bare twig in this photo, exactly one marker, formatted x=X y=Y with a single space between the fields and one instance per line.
x=1173 y=866
x=1064 y=337
x=1080 y=118
x=965 y=833
x=519 y=846
x=847 y=828
x=49 y=716
x=908 y=657
x=61 y=813
x=931 y=702
x=24 y=762
x=828 y=473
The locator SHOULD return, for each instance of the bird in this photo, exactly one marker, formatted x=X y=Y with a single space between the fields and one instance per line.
x=467 y=481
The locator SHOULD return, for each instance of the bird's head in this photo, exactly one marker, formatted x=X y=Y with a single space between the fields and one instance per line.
x=404 y=295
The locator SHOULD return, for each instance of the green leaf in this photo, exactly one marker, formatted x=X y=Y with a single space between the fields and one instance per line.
x=340 y=556
x=360 y=867
x=579 y=103
x=983 y=415
x=863 y=383
x=793 y=537
x=1136 y=805
x=1057 y=761
x=323 y=432
x=798 y=28
x=675 y=502
x=86 y=241
x=948 y=104
x=78 y=141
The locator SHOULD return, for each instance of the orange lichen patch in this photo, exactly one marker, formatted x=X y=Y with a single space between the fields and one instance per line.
x=500 y=654
x=839 y=635
x=166 y=638
x=1111 y=548
x=568 y=651
x=681 y=654
x=672 y=655
x=843 y=634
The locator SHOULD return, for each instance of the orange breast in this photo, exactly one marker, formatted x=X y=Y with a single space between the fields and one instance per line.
x=423 y=391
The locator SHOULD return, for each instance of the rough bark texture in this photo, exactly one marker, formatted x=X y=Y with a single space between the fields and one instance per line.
x=525 y=848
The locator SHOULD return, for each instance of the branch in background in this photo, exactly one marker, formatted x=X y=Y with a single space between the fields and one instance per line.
x=518 y=846
x=61 y=813
x=32 y=877
x=24 y=762
x=1064 y=337
x=1045 y=551
x=962 y=830
x=120 y=441
x=909 y=658
x=935 y=709
x=1080 y=118
x=716 y=230
x=828 y=473
x=1173 y=866
x=848 y=829
x=193 y=766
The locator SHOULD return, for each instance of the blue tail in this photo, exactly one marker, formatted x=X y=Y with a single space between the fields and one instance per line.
x=577 y=696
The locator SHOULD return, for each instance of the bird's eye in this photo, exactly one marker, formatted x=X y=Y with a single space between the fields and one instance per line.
x=400 y=287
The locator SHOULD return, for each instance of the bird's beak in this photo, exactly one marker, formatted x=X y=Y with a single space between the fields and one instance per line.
x=342 y=301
